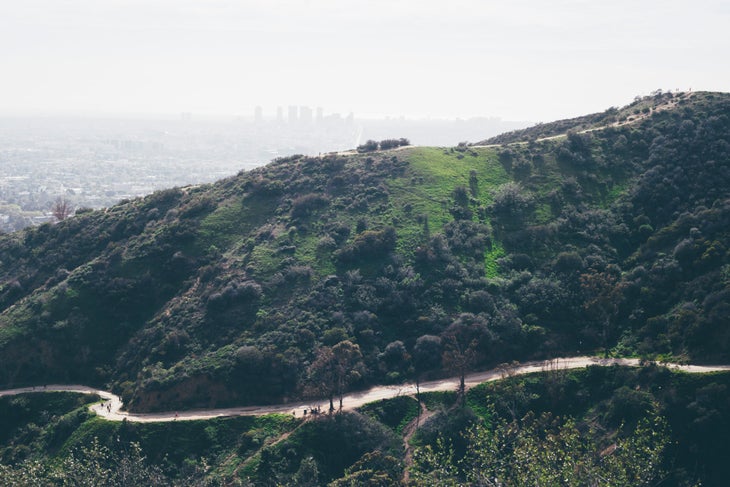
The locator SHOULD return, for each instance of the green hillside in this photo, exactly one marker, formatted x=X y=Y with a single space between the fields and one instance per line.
x=415 y=261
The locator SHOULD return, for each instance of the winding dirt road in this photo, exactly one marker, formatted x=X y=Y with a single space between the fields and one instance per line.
x=111 y=406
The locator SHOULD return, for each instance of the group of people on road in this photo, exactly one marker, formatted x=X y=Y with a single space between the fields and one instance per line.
x=312 y=410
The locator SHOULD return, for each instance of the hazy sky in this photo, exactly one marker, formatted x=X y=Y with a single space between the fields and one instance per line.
x=531 y=60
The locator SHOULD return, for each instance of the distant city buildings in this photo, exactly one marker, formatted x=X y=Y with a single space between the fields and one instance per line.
x=293 y=115
x=303 y=116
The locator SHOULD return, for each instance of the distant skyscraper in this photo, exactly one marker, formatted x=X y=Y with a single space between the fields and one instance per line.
x=305 y=115
x=320 y=114
x=293 y=114
x=280 y=114
x=258 y=114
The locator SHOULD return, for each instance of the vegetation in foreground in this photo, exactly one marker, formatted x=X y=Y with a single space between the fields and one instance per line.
x=597 y=426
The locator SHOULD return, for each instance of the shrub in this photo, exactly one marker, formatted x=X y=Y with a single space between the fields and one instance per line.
x=512 y=202
x=305 y=205
x=368 y=146
x=369 y=244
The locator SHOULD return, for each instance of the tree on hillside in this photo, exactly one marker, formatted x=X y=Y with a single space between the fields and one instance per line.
x=473 y=184
x=426 y=356
x=464 y=342
x=322 y=375
x=603 y=294
x=334 y=369
x=512 y=204
x=393 y=143
x=385 y=144
x=348 y=360
x=460 y=354
x=395 y=360
x=61 y=209
x=369 y=146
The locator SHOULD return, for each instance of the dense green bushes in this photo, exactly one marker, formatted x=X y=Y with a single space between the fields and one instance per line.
x=372 y=145
x=632 y=426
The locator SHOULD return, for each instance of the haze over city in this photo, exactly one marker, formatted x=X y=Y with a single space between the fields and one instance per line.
x=522 y=60
x=101 y=101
